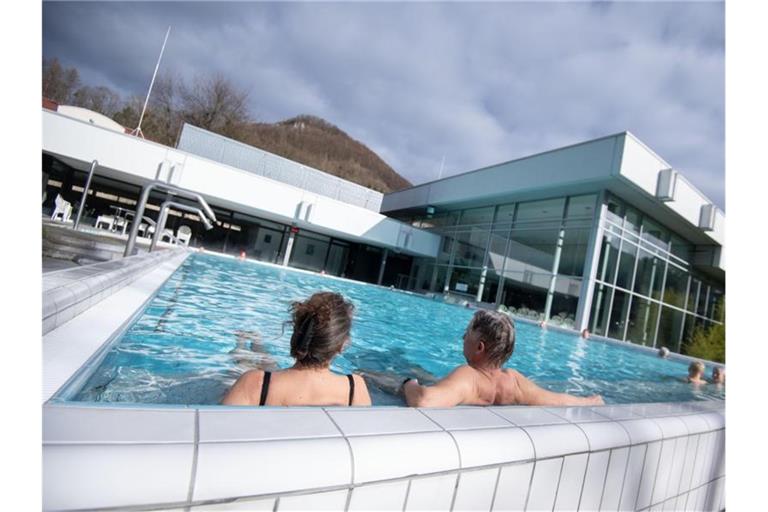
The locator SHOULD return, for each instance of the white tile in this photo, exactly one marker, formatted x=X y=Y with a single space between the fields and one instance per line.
x=252 y=424
x=576 y=414
x=475 y=489
x=527 y=416
x=226 y=470
x=333 y=500
x=715 y=495
x=659 y=409
x=615 y=412
x=701 y=496
x=670 y=505
x=718 y=463
x=554 y=440
x=632 y=477
x=433 y=493
x=715 y=419
x=641 y=430
x=693 y=498
x=69 y=424
x=512 y=489
x=493 y=446
x=695 y=423
x=546 y=475
x=664 y=470
x=239 y=505
x=689 y=460
x=462 y=418
x=605 y=435
x=593 y=481
x=98 y=476
x=676 y=471
x=571 y=482
x=614 y=479
x=671 y=426
x=680 y=502
x=399 y=455
x=390 y=420
x=703 y=458
x=387 y=496
x=649 y=475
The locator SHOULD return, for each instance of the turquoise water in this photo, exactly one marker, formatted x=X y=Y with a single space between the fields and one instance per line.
x=188 y=347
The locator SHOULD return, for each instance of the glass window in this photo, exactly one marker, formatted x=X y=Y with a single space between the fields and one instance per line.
x=601 y=303
x=681 y=248
x=444 y=256
x=642 y=321
x=532 y=249
x=525 y=293
x=505 y=214
x=465 y=281
x=609 y=254
x=337 y=259
x=654 y=234
x=581 y=207
x=565 y=301
x=693 y=291
x=470 y=247
x=549 y=209
x=650 y=272
x=574 y=252
x=442 y=272
x=497 y=250
x=309 y=252
x=715 y=309
x=676 y=286
x=701 y=305
x=477 y=216
x=670 y=328
x=441 y=220
x=618 y=315
x=632 y=220
x=491 y=287
x=615 y=211
x=626 y=265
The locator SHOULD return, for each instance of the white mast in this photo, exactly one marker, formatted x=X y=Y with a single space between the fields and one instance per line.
x=138 y=131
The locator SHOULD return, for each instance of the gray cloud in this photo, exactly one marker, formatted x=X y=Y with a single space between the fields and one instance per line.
x=476 y=83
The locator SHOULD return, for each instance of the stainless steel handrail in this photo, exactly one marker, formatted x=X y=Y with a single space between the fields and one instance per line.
x=163 y=218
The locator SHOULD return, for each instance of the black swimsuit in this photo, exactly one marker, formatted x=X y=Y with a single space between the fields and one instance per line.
x=268 y=375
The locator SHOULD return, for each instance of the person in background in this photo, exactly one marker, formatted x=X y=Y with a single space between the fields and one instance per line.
x=585 y=334
x=663 y=352
x=718 y=375
x=488 y=343
x=321 y=330
x=696 y=373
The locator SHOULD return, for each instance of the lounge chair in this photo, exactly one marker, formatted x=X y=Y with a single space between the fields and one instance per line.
x=184 y=235
x=63 y=209
x=106 y=220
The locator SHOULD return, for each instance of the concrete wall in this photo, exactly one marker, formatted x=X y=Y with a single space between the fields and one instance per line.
x=137 y=160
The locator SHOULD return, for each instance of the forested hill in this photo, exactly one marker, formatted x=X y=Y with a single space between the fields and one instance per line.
x=317 y=143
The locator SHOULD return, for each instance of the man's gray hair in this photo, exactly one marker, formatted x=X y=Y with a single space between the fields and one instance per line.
x=497 y=331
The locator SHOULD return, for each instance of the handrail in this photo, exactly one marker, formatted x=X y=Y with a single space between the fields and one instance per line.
x=163 y=218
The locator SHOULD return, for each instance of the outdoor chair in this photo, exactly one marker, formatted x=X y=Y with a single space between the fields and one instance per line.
x=184 y=235
x=167 y=233
x=107 y=220
x=63 y=209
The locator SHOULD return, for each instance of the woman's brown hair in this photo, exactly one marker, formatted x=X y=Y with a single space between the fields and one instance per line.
x=321 y=326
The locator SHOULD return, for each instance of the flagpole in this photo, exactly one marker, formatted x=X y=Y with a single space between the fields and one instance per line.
x=138 y=131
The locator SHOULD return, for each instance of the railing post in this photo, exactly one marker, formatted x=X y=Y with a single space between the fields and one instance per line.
x=80 y=209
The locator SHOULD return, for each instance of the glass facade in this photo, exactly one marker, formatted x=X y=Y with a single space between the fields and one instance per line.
x=645 y=291
x=531 y=257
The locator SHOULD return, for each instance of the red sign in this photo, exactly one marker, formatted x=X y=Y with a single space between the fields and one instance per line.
x=294 y=229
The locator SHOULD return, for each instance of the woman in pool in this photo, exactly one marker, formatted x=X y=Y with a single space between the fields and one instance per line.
x=321 y=327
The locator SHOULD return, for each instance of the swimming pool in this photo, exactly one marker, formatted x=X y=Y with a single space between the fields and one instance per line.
x=216 y=317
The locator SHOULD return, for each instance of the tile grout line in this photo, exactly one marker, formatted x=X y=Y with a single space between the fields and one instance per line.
x=605 y=479
x=351 y=459
x=407 y=493
x=458 y=453
x=640 y=482
x=495 y=490
x=195 y=453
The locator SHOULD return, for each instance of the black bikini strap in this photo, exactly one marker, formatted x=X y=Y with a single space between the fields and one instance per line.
x=351 y=387
x=265 y=388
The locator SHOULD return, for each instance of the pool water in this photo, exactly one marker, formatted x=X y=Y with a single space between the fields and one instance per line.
x=217 y=317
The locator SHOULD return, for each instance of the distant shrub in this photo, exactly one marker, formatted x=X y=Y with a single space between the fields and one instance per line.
x=709 y=342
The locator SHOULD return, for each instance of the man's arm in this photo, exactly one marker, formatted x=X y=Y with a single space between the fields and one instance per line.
x=457 y=388
x=531 y=394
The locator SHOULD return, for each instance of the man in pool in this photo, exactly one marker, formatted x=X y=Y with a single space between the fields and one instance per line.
x=488 y=343
x=696 y=373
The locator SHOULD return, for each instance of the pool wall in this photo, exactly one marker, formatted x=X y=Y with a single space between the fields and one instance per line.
x=627 y=457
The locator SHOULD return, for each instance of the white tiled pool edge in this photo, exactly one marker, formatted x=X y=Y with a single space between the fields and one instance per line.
x=632 y=457
x=77 y=337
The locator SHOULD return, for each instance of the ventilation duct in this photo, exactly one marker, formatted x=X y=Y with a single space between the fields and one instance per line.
x=707 y=217
x=665 y=186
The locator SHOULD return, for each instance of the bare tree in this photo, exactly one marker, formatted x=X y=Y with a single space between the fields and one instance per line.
x=216 y=104
x=59 y=84
x=99 y=99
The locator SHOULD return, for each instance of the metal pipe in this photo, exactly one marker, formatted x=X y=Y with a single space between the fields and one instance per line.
x=163 y=218
x=148 y=188
x=80 y=209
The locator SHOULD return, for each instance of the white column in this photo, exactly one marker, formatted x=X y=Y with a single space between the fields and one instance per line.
x=289 y=249
x=553 y=279
x=383 y=266
x=590 y=266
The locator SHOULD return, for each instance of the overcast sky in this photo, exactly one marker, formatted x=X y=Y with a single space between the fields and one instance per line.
x=476 y=84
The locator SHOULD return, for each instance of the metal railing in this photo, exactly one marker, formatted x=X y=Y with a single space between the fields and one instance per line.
x=248 y=158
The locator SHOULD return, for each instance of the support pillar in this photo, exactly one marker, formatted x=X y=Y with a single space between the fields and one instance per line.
x=481 y=286
x=289 y=249
x=553 y=279
x=590 y=265
x=383 y=266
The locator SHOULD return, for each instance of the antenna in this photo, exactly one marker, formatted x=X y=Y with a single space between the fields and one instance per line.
x=138 y=131
x=442 y=164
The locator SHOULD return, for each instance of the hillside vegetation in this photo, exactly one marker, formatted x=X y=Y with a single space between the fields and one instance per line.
x=216 y=104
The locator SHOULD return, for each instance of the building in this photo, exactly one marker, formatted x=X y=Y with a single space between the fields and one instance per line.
x=603 y=235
